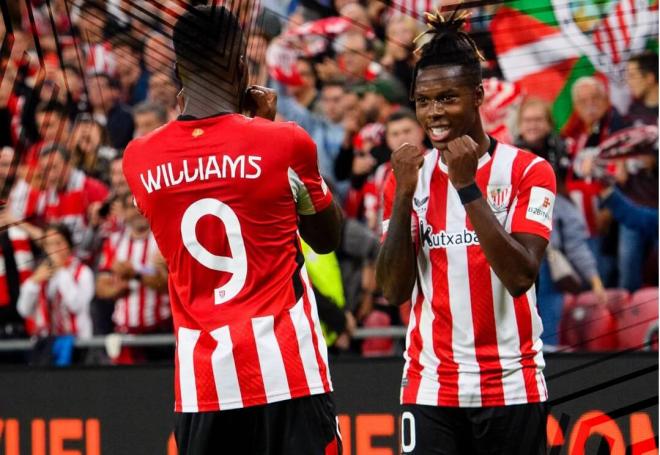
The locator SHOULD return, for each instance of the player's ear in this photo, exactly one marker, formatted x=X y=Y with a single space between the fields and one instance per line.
x=479 y=95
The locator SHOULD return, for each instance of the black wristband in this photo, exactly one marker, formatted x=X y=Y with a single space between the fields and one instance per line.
x=469 y=193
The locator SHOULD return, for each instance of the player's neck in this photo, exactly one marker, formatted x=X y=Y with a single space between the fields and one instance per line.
x=201 y=101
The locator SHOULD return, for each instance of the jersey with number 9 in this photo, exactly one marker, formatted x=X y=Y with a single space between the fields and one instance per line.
x=223 y=195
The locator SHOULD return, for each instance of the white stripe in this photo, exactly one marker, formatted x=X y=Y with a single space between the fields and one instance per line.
x=306 y=345
x=508 y=341
x=551 y=50
x=134 y=302
x=617 y=42
x=224 y=370
x=412 y=322
x=321 y=346
x=429 y=384
x=270 y=359
x=150 y=297
x=185 y=346
x=537 y=343
x=24 y=260
x=469 y=375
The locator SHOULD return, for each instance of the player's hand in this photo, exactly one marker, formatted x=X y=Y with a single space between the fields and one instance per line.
x=261 y=102
x=43 y=273
x=123 y=269
x=462 y=159
x=406 y=161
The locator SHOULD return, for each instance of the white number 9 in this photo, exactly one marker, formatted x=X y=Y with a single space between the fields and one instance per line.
x=236 y=264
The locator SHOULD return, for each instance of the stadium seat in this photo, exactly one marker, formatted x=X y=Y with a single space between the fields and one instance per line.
x=637 y=318
x=380 y=346
x=589 y=325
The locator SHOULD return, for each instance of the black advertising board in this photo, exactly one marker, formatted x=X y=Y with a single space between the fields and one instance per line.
x=601 y=403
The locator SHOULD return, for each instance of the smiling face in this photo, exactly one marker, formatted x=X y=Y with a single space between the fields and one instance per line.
x=447 y=103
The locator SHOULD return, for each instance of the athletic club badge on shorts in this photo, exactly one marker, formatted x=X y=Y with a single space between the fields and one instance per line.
x=498 y=197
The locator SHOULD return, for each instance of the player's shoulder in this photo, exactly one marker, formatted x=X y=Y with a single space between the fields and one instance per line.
x=149 y=140
x=522 y=161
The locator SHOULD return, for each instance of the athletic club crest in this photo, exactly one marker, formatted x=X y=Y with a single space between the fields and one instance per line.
x=498 y=197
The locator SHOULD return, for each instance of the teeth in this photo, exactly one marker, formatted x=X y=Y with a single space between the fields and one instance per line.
x=439 y=131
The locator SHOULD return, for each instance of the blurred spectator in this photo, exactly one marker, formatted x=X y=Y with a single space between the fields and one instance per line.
x=355 y=58
x=109 y=111
x=56 y=297
x=133 y=273
x=163 y=90
x=595 y=120
x=357 y=14
x=64 y=193
x=148 y=116
x=325 y=129
x=399 y=59
x=7 y=170
x=16 y=265
x=53 y=125
x=92 y=28
x=536 y=133
x=158 y=54
x=380 y=98
x=305 y=94
x=638 y=176
x=90 y=149
x=133 y=78
x=642 y=79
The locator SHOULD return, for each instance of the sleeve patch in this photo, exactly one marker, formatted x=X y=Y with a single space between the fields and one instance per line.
x=541 y=203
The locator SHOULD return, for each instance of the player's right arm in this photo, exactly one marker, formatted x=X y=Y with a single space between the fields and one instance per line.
x=395 y=267
x=319 y=215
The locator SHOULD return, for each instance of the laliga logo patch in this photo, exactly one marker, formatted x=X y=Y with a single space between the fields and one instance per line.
x=498 y=197
x=541 y=203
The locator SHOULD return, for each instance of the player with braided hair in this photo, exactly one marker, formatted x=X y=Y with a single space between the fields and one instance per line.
x=480 y=213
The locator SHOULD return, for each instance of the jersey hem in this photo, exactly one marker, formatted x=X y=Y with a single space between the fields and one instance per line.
x=484 y=403
x=240 y=404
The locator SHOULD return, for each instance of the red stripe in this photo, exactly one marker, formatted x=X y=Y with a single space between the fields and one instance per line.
x=414 y=368
x=622 y=24
x=21 y=245
x=483 y=313
x=598 y=40
x=4 y=290
x=207 y=396
x=442 y=324
x=307 y=306
x=612 y=41
x=248 y=368
x=285 y=333
x=524 y=321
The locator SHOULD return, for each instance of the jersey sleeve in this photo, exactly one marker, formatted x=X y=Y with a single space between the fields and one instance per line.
x=310 y=192
x=535 y=200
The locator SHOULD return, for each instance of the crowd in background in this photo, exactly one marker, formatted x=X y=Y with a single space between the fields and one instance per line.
x=83 y=78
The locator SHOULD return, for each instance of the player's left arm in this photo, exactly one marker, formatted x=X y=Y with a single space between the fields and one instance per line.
x=514 y=257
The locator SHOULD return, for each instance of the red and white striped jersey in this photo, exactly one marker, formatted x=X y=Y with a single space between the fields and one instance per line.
x=23 y=257
x=469 y=342
x=68 y=206
x=60 y=306
x=143 y=308
x=223 y=196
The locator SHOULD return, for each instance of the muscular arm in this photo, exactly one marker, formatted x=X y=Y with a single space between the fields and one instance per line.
x=395 y=267
x=322 y=230
x=515 y=258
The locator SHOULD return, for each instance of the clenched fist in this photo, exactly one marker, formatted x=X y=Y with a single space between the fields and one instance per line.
x=462 y=159
x=406 y=161
x=261 y=102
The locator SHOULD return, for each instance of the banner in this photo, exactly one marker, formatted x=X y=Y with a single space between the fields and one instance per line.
x=606 y=403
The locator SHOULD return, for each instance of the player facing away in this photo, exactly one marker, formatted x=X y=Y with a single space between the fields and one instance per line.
x=227 y=196
x=480 y=213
